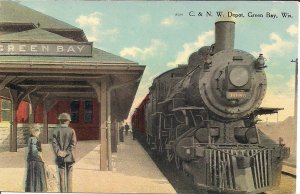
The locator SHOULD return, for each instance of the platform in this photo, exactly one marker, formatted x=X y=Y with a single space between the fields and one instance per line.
x=133 y=170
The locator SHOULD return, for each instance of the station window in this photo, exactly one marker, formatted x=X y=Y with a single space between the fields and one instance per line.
x=88 y=111
x=74 y=111
x=6 y=110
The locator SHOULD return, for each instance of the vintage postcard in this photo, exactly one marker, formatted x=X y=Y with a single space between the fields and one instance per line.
x=148 y=96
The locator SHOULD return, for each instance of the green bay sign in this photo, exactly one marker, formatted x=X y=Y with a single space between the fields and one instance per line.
x=46 y=49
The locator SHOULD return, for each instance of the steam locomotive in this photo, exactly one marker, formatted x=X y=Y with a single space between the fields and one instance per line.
x=203 y=116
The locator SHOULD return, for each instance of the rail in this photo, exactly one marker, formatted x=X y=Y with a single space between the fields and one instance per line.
x=289 y=169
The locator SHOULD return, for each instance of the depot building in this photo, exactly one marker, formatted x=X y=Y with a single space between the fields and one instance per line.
x=48 y=67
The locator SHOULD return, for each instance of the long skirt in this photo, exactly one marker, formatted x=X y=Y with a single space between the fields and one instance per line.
x=36 y=177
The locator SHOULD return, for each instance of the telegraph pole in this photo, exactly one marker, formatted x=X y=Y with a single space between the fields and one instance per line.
x=296 y=87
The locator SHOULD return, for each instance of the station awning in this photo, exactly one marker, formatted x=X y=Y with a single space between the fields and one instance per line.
x=64 y=73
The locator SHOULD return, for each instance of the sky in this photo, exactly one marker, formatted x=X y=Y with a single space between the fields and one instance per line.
x=161 y=35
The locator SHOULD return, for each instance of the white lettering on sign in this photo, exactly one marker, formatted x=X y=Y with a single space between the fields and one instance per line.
x=33 y=48
x=70 y=49
x=10 y=48
x=48 y=49
x=60 y=49
x=80 y=48
x=22 y=48
x=45 y=48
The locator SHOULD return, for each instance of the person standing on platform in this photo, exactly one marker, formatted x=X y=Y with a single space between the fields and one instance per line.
x=36 y=177
x=63 y=143
x=126 y=129
x=121 y=134
x=134 y=131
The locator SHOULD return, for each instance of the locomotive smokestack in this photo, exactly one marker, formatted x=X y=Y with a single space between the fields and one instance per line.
x=224 y=35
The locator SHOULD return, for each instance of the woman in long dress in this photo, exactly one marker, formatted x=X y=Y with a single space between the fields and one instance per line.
x=36 y=177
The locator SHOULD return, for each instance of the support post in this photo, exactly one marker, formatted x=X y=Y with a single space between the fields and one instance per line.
x=13 y=121
x=118 y=132
x=101 y=92
x=45 y=125
x=48 y=104
x=33 y=104
x=16 y=98
x=103 y=149
x=114 y=137
x=104 y=93
x=110 y=89
x=13 y=117
x=109 y=131
x=14 y=128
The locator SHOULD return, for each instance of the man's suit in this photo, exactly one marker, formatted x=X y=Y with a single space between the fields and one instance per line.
x=63 y=143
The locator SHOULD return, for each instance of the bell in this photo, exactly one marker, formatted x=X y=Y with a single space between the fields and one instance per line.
x=260 y=62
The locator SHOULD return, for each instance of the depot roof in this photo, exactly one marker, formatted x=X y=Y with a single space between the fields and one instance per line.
x=60 y=77
x=34 y=35
x=15 y=13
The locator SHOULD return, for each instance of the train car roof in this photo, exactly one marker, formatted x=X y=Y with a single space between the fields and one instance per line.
x=143 y=101
x=166 y=72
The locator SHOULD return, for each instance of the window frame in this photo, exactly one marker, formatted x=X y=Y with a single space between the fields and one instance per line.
x=6 y=109
x=88 y=111
x=72 y=111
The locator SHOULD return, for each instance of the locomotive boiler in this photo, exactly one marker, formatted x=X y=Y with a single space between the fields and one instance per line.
x=203 y=116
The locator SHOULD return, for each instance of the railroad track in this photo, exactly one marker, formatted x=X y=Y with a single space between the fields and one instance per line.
x=289 y=169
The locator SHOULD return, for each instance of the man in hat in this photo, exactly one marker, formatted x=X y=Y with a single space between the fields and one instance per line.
x=63 y=143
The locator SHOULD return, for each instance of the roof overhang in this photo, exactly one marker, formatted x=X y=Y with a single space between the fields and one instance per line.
x=71 y=80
